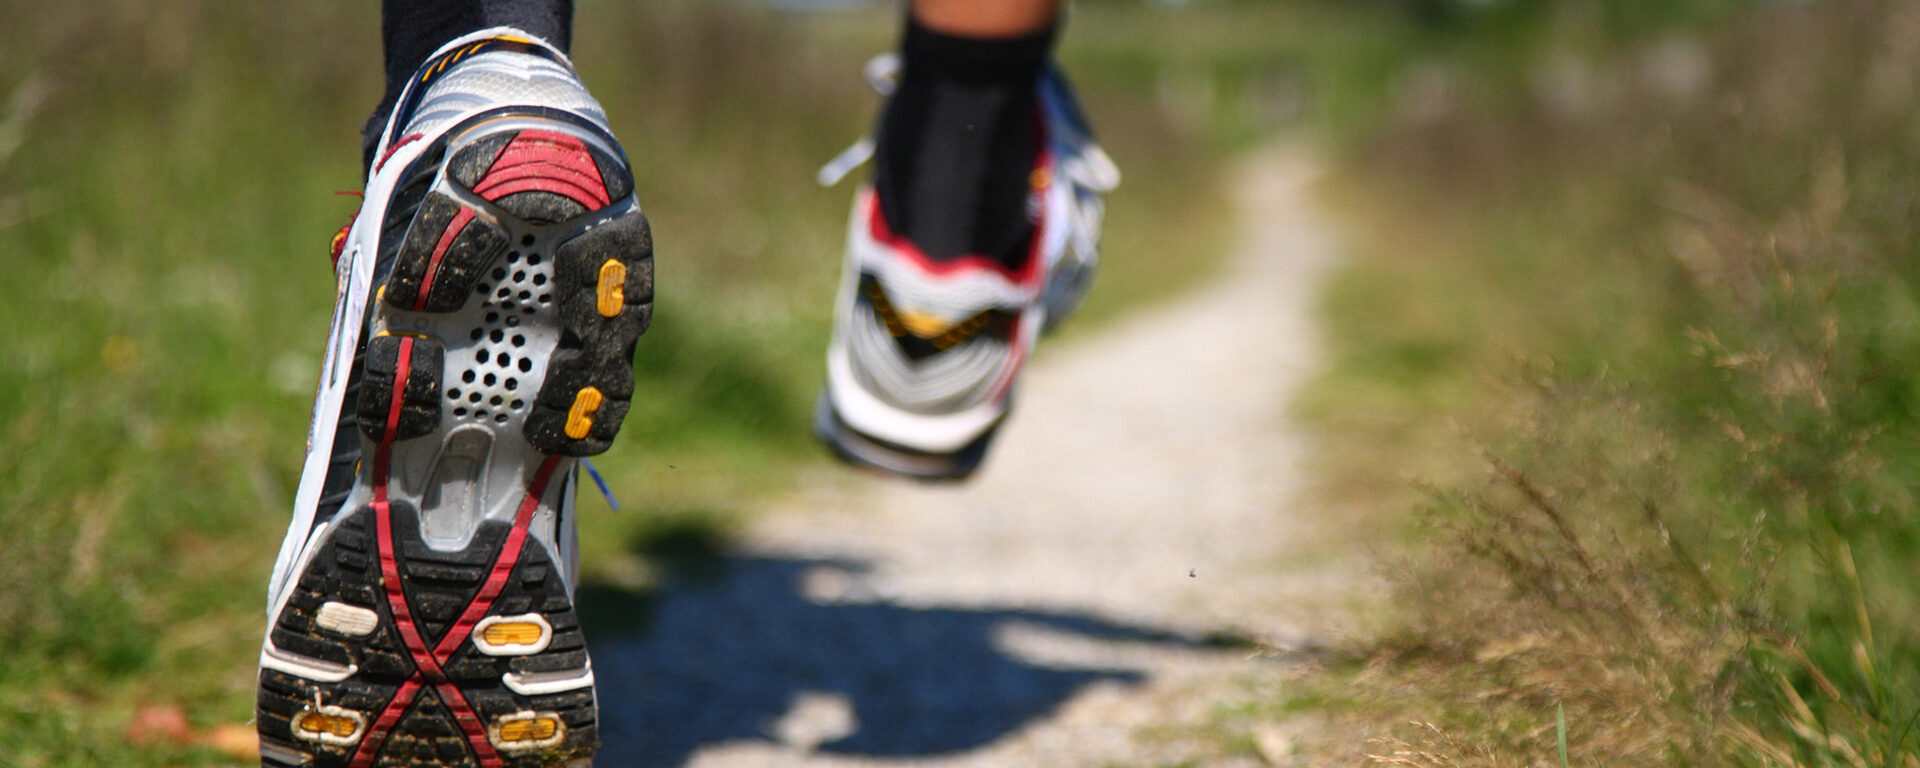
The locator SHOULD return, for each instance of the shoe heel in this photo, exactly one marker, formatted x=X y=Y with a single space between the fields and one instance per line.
x=536 y=184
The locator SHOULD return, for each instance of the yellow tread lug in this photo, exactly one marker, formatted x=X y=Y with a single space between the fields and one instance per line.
x=580 y=417
x=612 y=288
x=531 y=729
x=513 y=633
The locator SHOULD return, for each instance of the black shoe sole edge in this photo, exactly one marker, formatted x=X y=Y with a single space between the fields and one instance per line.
x=864 y=451
x=344 y=578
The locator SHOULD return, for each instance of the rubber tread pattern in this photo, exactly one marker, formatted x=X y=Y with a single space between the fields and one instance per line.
x=454 y=260
x=346 y=569
x=858 y=449
x=419 y=397
x=595 y=351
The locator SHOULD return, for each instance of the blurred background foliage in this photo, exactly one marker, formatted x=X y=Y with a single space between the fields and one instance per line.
x=170 y=175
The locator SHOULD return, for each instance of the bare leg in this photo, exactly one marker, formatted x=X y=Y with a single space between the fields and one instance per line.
x=985 y=18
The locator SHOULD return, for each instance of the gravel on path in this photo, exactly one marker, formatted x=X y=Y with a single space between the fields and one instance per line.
x=1142 y=502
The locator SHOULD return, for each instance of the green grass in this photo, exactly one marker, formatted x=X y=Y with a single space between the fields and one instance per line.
x=165 y=219
x=1644 y=343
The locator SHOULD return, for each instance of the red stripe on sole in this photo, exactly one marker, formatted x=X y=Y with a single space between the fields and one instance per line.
x=377 y=733
x=502 y=565
x=545 y=161
x=389 y=567
x=470 y=723
x=427 y=662
x=402 y=368
x=453 y=230
x=564 y=187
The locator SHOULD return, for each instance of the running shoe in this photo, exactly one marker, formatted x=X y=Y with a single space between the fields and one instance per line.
x=924 y=355
x=491 y=290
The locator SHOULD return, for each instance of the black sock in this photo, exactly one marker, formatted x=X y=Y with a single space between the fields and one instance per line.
x=958 y=140
x=411 y=30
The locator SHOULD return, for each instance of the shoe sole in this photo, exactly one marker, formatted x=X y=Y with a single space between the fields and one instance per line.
x=867 y=452
x=430 y=627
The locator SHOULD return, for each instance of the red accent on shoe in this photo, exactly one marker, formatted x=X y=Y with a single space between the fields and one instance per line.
x=377 y=733
x=404 y=140
x=545 y=161
x=427 y=669
x=426 y=662
x=502 y=566
x=339 y=244
x=1016 y=356
x=452 y=231
x=389 y=566
x=402 y=368
x=1029 y=271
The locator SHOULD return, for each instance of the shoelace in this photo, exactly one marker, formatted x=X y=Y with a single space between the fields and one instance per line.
x=594 y=472
x=882 y=73
x=1087 y=164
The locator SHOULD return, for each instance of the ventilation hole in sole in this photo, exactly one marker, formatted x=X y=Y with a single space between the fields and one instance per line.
x=499 y=273
x=513 y=322
x=480 y=356
x=519 y=340
x=528 y=310
x=513 y=384
x=459 y=411
x=533 y=259
x=496 y=400
x=519 y=276
x=477 y=334
x=526 y=240
x=516 y=405
x=526 y=365
x=482 y=289
x=503 y=293
x=453 y=393
x=493 y=317
x=497 y=336
x=546 y=298
x=500 y=419
x=489 y=379
x=467 y=377
x=480 y=413
x=526 y=295
x=503 y=359
x=473 y=397
x=513 y=257
x=539 y=279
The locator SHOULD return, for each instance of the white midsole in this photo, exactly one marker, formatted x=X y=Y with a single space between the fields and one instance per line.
x=873 y=417
x=318 y=670
x=543 y=683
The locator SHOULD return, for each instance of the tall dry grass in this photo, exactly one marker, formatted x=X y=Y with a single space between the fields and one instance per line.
x=1667 y=296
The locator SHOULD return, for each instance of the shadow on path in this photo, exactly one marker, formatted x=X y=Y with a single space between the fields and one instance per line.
x=724 y=654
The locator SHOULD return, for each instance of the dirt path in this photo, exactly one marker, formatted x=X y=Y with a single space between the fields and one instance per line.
x=1141 y=499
